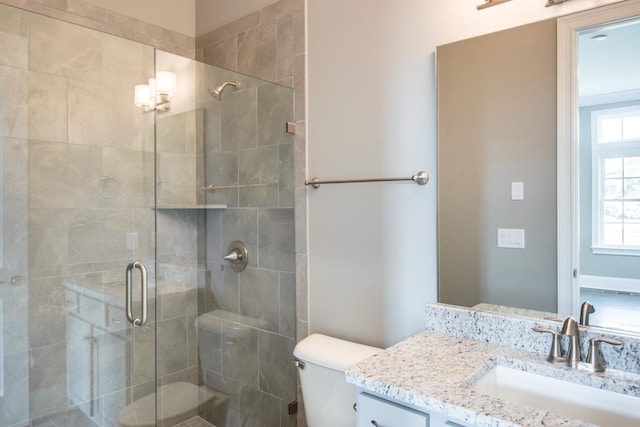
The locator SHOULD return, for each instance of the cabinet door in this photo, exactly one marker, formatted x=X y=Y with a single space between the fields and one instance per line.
x=80 y=364
x=376 y=412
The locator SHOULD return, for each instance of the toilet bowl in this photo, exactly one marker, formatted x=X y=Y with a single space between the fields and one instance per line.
x=328 y=398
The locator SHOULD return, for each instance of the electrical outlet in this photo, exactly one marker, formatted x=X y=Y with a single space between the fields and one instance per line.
x=512 y=238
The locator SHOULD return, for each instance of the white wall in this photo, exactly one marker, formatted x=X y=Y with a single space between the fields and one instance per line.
x=372 y=112
x=179 y=16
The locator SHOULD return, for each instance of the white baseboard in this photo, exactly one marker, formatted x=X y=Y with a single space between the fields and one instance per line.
x=609 y=283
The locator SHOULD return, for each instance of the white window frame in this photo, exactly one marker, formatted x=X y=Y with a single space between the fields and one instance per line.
x=600 y=152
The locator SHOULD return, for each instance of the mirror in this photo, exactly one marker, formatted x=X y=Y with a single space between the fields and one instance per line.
x=497 y=126
x=497 y=173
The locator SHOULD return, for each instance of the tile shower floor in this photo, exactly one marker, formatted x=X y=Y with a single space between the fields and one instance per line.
x=75 y=418
x=195 y=422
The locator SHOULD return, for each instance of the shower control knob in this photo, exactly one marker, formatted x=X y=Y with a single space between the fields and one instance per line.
x=237 y=256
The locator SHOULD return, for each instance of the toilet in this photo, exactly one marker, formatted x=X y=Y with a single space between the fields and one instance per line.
x=328 y=398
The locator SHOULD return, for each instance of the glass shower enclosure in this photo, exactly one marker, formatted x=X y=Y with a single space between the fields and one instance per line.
x=95 y=192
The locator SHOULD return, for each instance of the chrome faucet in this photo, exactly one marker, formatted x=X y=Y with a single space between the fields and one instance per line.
x=594 y=363
x=585 y=310
x=570 y=329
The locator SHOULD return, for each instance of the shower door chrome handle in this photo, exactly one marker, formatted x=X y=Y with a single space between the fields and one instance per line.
x=143 y=293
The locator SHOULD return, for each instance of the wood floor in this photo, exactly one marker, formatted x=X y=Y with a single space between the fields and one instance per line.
x=613 y=309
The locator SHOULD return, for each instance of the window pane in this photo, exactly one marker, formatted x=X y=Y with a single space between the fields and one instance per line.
x=631 y=188
x=613 y=188
x=613 y=167
x=631 y=128
x=616 y=197
x=611 y=130
x=632 y=167
x=612 y=234
x=612 y=211
x=631 y=212
x=632 y=234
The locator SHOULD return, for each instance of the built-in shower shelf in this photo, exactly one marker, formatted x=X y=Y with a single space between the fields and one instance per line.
x=168 y=207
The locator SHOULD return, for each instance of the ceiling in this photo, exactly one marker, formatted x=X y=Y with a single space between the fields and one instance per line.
x=610 y=65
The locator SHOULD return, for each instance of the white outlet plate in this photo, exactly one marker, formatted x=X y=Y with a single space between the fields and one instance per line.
x=512 y=238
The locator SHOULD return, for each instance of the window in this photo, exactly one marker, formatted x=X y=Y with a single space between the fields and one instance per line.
x=616 y=181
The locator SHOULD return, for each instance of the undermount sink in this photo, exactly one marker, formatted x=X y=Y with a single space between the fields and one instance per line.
x=582 y=402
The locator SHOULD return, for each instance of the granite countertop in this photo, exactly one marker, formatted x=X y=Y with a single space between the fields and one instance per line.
x=433 y=371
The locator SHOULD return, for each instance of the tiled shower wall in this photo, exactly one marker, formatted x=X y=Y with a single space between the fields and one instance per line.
x=247 y=319
x=77 y=181
x=251 y=314
x=110 y=22
x=268 y=44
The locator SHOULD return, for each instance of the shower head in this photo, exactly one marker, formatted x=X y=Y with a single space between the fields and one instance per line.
x=217 y=92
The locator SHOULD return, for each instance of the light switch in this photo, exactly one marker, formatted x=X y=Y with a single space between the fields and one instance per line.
x=517 y=191
x=512 y=238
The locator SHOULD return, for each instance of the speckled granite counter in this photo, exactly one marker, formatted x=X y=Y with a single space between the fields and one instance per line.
x=432 y=371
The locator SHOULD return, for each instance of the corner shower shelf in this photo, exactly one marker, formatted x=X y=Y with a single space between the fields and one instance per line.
x=189 y=206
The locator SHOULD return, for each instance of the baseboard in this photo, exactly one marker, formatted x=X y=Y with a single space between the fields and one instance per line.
x=609 y=283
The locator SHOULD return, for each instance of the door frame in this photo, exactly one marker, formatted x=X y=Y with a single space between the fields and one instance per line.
x=568 y=161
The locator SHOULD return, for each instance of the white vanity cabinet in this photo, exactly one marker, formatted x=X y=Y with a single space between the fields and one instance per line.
x=375 y=411
x=98 y=348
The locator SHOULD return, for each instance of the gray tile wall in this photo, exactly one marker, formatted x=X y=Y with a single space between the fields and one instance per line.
x=77 y=187
x=247 y=157
x=181 y=274
x=254 y=310
x=110 y=22
x=270 y=44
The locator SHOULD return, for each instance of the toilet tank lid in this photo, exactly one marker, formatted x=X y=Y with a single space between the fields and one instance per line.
x=332 y=353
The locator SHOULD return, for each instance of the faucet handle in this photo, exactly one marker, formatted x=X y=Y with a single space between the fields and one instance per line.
x=555 y=352
x=594 y=358
x=237 y=257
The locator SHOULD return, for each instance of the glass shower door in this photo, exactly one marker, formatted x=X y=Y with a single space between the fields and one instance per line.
x=77 y=191
x=225 y=174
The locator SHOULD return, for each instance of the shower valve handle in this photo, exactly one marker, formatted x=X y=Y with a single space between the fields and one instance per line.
x=233 y=256
x=237 y=257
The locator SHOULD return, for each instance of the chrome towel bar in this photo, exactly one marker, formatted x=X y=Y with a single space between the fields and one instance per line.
x=420 y=178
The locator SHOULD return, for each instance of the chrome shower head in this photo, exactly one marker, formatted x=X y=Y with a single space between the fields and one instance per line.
x=217 y=92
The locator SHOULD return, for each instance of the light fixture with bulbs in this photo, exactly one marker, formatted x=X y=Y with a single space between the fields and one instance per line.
x=157 y=94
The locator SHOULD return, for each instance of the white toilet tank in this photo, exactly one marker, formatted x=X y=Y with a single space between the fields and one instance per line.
x=328 y=398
